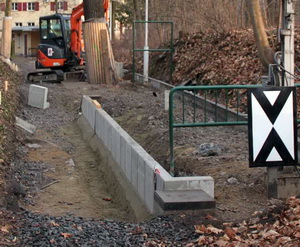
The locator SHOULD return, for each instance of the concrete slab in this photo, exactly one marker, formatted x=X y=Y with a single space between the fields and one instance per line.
x=184 y=200
x=25 y=125
x=38 y=96
x=288 y=186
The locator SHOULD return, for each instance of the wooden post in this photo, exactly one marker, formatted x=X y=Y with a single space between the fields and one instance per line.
x=99 y=56
x=6 y=31
x=6 y=37
x=5 y=86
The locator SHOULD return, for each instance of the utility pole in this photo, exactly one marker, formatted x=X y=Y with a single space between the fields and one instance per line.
x=287 y=64
x=56 y=6
x=146 y=47
x=6 y=31
x=287 y=34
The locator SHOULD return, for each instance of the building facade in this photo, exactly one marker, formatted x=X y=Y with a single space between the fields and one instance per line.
x=25 y=22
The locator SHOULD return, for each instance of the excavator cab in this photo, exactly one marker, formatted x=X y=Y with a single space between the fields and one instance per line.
x=53 y=50
x=60 y=51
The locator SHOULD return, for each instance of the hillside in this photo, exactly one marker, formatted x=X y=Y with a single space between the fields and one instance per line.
x=212 y=58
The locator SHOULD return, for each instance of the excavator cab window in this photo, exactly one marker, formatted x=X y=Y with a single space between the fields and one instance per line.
x=51 y=29
x=68 y=30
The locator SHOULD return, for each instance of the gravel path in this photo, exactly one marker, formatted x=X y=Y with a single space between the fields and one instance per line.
x=43 y=230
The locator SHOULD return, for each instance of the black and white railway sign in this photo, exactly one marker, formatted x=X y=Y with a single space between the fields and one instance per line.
x=272 y=120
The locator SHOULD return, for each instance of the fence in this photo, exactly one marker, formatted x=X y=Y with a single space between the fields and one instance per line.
x=203 y=106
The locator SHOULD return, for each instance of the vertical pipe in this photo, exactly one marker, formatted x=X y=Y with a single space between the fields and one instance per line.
x=205 y=106
x=194 y=106
x=183 y=105
x=226 y=93
x=216 y=105
x=237 y=105
x=171 y=137
x=110 y=19
x=146 y=48
x=288 y=42
x=171 y=52
x=133 y=52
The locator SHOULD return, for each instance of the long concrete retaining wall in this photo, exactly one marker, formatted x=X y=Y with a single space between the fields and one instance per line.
x=211 y=107
x=138 y=167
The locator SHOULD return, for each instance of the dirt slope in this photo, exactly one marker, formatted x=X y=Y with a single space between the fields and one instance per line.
x=211 y=58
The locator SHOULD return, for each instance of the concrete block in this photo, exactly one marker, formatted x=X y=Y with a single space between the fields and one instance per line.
x=117 y=147
x=25 y=125
x=119 y=69
x=128 y=161
x=184 y=200
x=141 y=177
x=105 y=132
x=205 y=183
x=149 y=188
x=123 y=153
x=134 y=168
x=109 y=137
x=288 y=186
x=99 y=124
x=84 y=106
x=38 y=96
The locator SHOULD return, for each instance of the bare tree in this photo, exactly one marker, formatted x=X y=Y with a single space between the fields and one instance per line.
x=93 y=9
x=7 y=31
x=264 y=50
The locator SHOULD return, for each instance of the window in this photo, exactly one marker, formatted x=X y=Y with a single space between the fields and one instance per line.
x=14 y=6
x=30 y=6
x=18 y=24
x=30 y=24
x=51 y=29
x=60 y=5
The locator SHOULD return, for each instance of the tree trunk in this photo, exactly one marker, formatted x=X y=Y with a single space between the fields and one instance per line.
x=264 y=50
x=7 y=31
x=93 y=9
x=100 y=62
x=8 y=8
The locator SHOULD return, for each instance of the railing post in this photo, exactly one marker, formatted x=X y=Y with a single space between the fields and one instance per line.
x=171 y=134
x=133 y=52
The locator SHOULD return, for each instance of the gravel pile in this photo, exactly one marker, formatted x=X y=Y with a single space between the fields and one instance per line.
x=43 y=230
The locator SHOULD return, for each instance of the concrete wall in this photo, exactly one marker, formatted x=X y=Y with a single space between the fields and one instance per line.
x=211 y=106
x=139 y=168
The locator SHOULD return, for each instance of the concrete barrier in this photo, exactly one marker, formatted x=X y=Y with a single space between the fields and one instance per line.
x=144 y=173
x=222 y=112
x=38 y=96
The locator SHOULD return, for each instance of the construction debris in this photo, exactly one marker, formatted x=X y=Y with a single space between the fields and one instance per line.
x=25 y=125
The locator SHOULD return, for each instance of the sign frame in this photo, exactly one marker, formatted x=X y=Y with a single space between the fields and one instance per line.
x=288 y=155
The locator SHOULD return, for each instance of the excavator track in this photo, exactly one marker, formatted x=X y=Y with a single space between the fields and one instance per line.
x=46 y=76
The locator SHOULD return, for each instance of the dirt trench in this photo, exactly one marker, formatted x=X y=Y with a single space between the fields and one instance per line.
x=239 y=190
x=59 y=171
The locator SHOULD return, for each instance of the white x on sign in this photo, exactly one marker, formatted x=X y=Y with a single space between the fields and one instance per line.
x=272 y=126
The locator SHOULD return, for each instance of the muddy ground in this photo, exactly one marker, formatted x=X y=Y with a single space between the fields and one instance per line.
x=239 y=190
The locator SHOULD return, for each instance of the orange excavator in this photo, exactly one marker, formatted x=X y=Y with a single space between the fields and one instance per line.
x=61 y=48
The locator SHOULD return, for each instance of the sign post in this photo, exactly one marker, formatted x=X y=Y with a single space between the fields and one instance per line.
x=272 y=115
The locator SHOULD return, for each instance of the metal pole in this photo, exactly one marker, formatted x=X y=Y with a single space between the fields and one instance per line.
x=110 y=19
x=146 y=47
x=288 y=39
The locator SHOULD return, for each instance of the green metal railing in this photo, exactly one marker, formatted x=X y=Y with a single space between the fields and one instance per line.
x=206 y=106
x=171 y=49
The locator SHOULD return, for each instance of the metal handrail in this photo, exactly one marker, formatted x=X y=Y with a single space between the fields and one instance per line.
x=215 y=107
x=171 y=49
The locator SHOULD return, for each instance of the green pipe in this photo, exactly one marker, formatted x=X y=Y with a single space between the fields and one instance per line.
x=133 y=53
x=210 y=124
x=171 y=136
